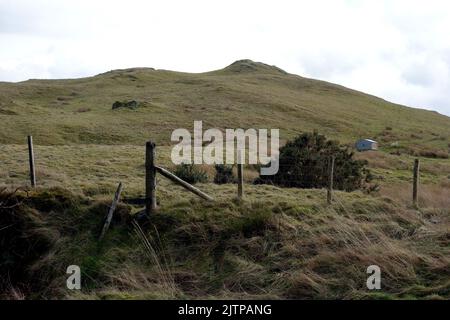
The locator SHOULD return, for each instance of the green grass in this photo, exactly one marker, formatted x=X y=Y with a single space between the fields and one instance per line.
x=245 y=94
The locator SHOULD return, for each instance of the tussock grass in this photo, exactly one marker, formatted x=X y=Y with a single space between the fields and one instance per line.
x=430 y=195
x=294 y=246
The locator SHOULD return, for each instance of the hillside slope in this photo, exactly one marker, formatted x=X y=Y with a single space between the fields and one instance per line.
x=245 y=94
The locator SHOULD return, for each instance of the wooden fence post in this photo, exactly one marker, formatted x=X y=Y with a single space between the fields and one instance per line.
x=150 y=177
x=240 y=174
x=416 y=182
x=111 y=211
x=31 y=160
x=330 y=181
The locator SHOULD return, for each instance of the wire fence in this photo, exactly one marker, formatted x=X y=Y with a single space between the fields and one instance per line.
x=326 y=171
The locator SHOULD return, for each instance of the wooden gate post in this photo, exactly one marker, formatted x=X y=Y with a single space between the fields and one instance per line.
x=150 y=177
x=240 y=174
x=416 y=183
x=31 y=160
x=330 y=181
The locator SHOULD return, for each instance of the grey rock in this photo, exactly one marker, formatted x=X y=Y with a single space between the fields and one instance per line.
x=125 y=104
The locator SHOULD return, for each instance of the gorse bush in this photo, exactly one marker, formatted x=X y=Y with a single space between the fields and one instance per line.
x=304 y=163
x=191 y=173
x=224 y=174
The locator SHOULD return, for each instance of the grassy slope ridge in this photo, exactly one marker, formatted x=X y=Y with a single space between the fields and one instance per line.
x=245 y=94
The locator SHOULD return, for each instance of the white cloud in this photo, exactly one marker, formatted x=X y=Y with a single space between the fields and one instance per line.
x=399 y=50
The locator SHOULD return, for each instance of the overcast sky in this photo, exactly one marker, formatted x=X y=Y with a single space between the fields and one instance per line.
x=398 y=50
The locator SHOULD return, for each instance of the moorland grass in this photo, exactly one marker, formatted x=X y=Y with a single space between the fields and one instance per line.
x=297 y=247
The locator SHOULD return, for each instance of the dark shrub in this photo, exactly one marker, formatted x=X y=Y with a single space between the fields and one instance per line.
x=191 y=174
x=224 y=174
x=304 y=164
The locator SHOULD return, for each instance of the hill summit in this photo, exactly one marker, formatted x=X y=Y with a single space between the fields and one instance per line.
x=247 y=65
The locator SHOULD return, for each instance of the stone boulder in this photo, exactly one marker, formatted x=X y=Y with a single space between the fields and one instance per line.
x=125 y=104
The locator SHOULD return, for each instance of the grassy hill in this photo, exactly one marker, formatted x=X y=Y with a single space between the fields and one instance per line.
x=276 y=243
x=245 y=94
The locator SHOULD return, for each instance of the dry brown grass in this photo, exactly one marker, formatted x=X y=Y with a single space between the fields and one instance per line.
x=382 y=160
x=428 y=152
x=295 y=246
x=436 y=196
x=12 y=294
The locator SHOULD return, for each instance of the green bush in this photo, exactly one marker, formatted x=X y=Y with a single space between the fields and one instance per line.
x=224 y=174
x=304 y=163
x=191 y=173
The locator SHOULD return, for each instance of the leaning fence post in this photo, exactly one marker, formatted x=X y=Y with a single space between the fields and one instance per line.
x=150 y=177
x=184 y=184
x=31 y=160
x=240 y=174
x=330 y=181
x=111 y=211
x=416 y=182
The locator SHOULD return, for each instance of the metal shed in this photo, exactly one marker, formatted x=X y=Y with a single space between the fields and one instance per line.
x=366 y=145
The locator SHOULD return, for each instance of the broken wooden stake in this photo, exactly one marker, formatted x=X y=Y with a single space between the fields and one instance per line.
x=111 y=211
